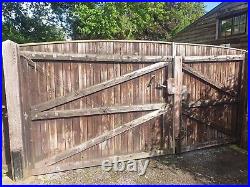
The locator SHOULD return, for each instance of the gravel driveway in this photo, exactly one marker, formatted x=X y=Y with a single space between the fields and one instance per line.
x=219 y=165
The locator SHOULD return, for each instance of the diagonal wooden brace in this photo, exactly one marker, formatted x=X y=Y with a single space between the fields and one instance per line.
x=104 y=137
x=96 y=88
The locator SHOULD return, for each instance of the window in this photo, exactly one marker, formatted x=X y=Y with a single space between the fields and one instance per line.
x=226 y=27
x=233 y=25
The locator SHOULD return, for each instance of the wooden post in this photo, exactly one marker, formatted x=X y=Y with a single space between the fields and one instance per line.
x=242 y=106
x=244 y=132
x=170 y=99
x=175 y=88
x=11 y=59
x=177 y=106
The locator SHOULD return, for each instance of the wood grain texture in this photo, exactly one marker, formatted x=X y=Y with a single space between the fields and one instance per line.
x=221 y=58
x=103 y=137
x=98 y=87
x=16 y=109
x=49 y=79
x=177 y=101
x=94 y=57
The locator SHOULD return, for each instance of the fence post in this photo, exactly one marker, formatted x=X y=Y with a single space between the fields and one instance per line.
x=170 y=97
x=242 y=111
x=175 y=88
x=11 y=60
x=177 y=103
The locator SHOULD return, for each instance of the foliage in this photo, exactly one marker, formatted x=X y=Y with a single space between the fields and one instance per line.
x=36 y=22
x=29 y=22
x=152 y=21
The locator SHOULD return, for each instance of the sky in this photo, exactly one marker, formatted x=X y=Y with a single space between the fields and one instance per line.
x=210 y=5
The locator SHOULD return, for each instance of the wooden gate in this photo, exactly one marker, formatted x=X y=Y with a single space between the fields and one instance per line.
x=74 y=104
x=210 y=107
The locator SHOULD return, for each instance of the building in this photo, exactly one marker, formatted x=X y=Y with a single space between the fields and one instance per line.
x=226 y=25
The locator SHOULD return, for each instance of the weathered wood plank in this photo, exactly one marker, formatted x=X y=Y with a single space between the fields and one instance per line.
x=96 y=41
x=11 y=68
x=124 y=99
x=218 y=86
x=208 y=123
x=243 y=103
x=98 y=162
x=104 y=137
x=221 y=58
x=55 y=114
x=45 y=56
x=177 y=66
x=98 y=87
x=170 y=99
x=33 y=64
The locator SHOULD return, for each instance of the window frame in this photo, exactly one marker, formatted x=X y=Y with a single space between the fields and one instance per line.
x=232 y=17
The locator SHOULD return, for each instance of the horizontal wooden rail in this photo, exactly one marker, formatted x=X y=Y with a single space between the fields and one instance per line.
x=220 y=87
x=46 y=56
x=221 y=58
x=96 y=88
x=104 y=137
x=95 y=111
x=205 y=103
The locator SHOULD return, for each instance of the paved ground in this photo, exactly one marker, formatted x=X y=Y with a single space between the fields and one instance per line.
x=220 y=165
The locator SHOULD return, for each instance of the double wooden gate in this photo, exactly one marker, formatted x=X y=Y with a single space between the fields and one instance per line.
x=73 y=105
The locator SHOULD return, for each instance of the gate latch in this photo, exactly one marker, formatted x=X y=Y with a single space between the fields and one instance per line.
x=150 y=81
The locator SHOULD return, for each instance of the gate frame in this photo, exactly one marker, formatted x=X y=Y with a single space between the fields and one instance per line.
x=11 y=61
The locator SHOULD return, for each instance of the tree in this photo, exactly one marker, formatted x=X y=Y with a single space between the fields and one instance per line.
x=152 y=21
x=36 y=22
x=29 y=22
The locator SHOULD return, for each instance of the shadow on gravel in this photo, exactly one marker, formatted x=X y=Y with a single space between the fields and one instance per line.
x=219 y=165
